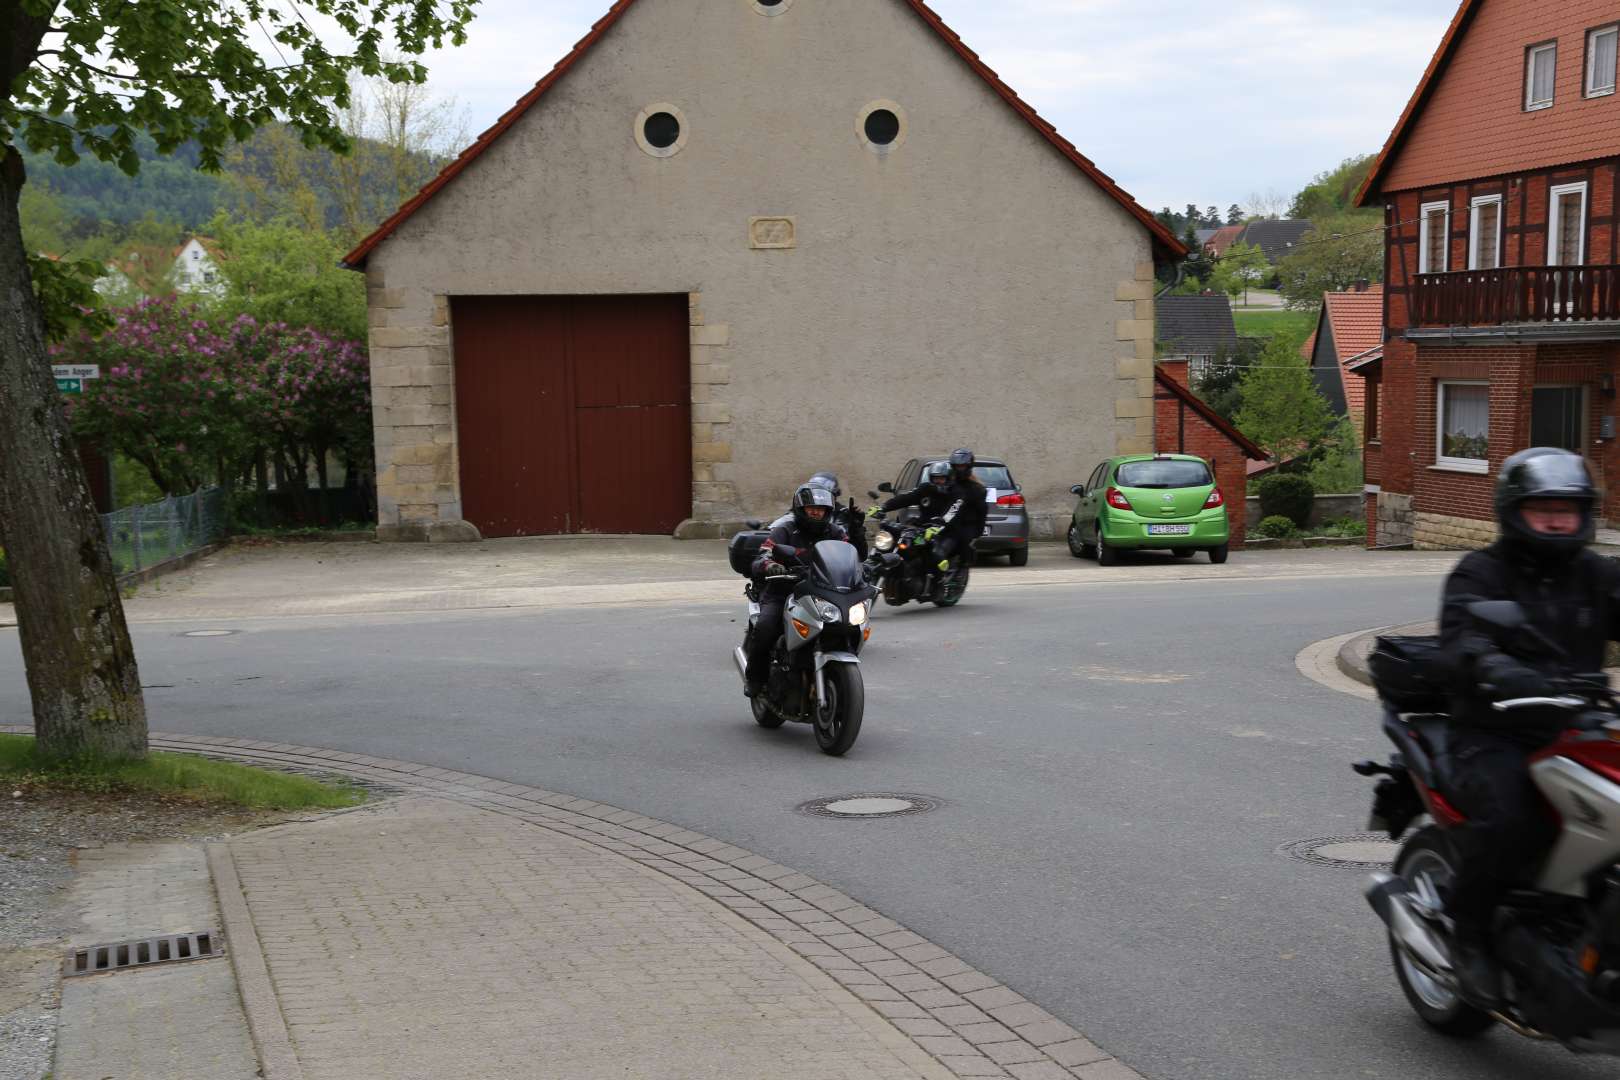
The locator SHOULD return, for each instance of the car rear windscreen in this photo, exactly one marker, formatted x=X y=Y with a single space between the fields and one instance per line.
x=1164 y=474
x=994 y=476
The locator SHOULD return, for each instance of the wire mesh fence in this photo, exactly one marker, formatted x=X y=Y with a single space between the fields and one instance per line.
x=143 y=536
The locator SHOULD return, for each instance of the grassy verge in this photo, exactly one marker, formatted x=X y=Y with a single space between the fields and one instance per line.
x=1297 y=325
x=172 y=775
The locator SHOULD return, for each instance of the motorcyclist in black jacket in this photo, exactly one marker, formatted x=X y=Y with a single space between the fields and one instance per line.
x=853 y=522
x=937 y=499
x=969 y=523
x=1546 y=506
x=810 y=522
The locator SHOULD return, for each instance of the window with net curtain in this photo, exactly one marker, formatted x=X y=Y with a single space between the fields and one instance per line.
x=1542 y=64
x=1465 y=423
x=1600 y=60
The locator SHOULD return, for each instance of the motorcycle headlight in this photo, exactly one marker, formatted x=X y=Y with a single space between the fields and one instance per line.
x=828 y=612
x=884 y=541
x=857 y=614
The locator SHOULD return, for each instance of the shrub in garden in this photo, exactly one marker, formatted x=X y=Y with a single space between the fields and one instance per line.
x=1288 y=495
x=1276 y=527
x=196 y=403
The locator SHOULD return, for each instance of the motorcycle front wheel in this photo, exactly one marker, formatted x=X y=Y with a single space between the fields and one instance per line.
x=1427 y=865
x=838 y=716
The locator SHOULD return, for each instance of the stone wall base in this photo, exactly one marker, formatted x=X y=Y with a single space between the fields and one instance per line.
x=1442 y=532
x=430 y=532
x=1395 y=519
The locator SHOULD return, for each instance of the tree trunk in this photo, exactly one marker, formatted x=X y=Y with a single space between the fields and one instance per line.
x=81 y=666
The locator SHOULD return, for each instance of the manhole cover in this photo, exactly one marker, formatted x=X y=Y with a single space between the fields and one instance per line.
x=869 y=805
x=208 y=633
x=1362 y=851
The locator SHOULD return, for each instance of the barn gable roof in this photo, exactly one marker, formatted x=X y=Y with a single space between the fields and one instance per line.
x=1164 y=241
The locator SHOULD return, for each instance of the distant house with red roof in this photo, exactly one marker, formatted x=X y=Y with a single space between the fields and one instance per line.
x=1349 y=330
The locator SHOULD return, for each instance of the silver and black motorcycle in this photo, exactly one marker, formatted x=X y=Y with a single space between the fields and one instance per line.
x=815 y=673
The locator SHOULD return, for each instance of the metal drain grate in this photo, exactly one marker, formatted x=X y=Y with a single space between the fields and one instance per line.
x=143 y=952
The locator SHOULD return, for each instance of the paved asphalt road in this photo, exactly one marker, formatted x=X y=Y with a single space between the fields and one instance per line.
x=1118 y=762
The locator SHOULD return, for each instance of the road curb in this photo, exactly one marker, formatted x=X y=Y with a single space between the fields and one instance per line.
x=267 y=1026
x=918 y=986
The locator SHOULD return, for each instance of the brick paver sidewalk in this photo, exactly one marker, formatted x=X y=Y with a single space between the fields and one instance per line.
x=426 y=938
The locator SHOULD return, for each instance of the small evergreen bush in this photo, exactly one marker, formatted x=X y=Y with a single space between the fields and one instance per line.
x=1288 y=495
x=1276 y=527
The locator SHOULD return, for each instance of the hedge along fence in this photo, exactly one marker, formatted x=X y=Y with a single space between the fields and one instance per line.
x=196 y=402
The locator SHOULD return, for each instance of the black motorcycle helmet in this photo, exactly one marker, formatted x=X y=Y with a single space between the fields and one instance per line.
x=939 y=474
x=1545 y=473
x=962 y=461
x=826 y=480
x=813 y=509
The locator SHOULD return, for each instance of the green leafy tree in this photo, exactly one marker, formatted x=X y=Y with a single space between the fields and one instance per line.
x=1333 y=256
x=1332 y=192
x=85 y=78
x=1219 y=383
x=1234 y=214
x=46 y=221
x=284 y=271
x=1242 y=268
x=1282 y=410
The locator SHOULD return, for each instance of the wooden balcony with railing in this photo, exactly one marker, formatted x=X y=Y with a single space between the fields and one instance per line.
x=1517 y=294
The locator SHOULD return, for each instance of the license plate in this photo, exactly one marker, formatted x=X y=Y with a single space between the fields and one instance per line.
x=1169 y=530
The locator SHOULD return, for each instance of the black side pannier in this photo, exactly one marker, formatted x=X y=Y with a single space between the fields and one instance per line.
x=744 y=549
x=1408 y=674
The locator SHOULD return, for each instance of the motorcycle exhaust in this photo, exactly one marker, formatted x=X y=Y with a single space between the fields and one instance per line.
x=1390 y=899
x=742 y=662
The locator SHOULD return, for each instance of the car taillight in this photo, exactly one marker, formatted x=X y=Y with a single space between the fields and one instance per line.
x=1013 y=499
x=1215 y=499
x=1117 y=499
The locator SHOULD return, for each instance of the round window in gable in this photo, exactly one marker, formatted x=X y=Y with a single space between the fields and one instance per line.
x=772 y=7
x=661 y=130
x=882 y=126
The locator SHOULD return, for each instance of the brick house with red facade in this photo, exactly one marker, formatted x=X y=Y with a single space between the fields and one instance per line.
x=1502 y=268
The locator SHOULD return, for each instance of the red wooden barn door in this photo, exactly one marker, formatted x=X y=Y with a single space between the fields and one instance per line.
x=573 y=413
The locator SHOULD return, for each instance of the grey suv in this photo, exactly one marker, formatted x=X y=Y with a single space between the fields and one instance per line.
x=1006 y=530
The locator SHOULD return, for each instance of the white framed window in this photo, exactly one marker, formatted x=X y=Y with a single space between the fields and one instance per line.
x=1434 y=237
x=1558 y=417
x=1540 y=70
x=1600 y=59
x=1485 y=233
x=1463 y=426
x=1566 y=225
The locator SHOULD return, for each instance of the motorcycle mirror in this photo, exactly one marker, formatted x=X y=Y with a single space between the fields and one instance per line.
x=1078 y=489
x=1504 y=615
x=871 y=494
x=885 y=487
x=754 y=523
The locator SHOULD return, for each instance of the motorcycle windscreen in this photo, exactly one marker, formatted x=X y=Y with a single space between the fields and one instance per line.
x=836 y=565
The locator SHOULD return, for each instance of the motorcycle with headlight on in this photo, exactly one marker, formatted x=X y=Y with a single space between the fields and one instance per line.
x=815 y=674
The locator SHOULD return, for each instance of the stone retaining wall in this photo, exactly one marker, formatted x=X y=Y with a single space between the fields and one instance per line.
x=1442 y=532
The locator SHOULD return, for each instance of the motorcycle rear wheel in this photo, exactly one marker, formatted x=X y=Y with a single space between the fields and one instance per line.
x=763 y=714
x=949 y=591
x=838 y=718
x=1426 y=862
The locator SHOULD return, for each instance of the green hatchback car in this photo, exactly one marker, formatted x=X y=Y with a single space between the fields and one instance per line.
x=1150 y=501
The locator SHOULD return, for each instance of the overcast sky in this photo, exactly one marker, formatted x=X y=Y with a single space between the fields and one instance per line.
x=1179 y=100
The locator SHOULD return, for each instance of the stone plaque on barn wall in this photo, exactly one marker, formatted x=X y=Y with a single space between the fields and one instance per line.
x=772 y=233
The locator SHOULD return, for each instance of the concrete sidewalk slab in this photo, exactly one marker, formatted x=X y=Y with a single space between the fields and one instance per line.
x=177 y=1022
